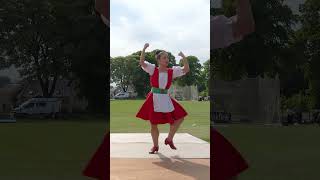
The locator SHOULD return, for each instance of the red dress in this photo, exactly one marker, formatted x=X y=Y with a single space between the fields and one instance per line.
x=147 y=112
x=227 y=162
x=98 y=166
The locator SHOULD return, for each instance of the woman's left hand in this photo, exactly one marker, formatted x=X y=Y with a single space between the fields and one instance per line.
x=181 y=54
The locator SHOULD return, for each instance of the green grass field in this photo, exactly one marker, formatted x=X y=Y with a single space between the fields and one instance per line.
x=122 y=118
x=59 y=149
x=277 y=153
x=48 y=150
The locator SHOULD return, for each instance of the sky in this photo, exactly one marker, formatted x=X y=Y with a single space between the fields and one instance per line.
x=171 y=25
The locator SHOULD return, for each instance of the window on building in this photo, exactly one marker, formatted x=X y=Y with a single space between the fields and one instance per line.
x=41 y=104
x=31 y=105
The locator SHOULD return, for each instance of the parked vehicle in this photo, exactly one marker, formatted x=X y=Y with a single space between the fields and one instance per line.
x=39 y=106
x=125 y=95
x=122 y=95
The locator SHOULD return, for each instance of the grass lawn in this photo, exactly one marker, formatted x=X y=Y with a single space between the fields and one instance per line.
x=122 y=118
x=277 y=153
x=48 y=150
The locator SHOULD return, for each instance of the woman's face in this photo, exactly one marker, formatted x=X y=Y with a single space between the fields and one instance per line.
x=163 y=60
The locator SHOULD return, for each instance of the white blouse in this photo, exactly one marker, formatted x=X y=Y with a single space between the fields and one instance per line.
x=162 y=102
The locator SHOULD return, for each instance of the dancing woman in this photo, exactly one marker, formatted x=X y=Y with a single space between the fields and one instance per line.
x=159 y=107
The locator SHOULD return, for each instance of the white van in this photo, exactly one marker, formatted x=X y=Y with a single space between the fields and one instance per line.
x=126 y=95
x=122 y=95
x=39 y=106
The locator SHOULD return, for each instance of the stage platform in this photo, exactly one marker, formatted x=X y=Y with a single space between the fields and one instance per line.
x=129 y=158
x=137 y=145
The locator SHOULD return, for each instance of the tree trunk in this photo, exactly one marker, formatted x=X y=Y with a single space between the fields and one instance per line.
x=53 y=86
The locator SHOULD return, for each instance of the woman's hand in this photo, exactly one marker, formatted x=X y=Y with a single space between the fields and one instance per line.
x=181 y=54
x=146 y=45
x=142 y=64
x=186 y=68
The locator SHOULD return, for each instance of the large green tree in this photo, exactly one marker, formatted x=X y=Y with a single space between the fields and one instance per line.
x=194 y=75
x=51 y=39
x=204 y=79
x=88 y=50
x=34 y=42
x=261 y=52
x=125 y=71
x=310 y=35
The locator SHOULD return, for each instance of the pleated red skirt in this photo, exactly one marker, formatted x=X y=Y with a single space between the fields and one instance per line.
x=98 y=166
x=227 y=162
x=147 y=112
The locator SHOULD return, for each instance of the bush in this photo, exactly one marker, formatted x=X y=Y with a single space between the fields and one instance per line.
x=296 y=102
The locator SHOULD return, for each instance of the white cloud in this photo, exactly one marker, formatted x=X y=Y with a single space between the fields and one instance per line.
x=179 y=25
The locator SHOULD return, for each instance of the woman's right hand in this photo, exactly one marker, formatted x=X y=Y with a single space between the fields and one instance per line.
x=142 y=64
x=146 y=45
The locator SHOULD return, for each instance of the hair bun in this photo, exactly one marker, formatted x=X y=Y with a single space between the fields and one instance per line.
x=158 y=52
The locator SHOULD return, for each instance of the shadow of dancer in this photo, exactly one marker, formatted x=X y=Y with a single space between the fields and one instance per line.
x=184 y=167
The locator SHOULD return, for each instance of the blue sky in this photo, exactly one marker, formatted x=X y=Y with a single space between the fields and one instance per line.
x=178 y=25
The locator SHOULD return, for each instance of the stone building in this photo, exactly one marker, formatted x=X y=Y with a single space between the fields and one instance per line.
x=67 y=91
x=255 y=99
x=8 y=94
x=187 y=93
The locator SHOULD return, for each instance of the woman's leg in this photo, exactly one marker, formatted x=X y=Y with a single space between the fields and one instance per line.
x=155 y=134
x=174 y=128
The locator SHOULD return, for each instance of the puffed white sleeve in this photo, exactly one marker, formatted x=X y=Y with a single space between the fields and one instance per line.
x=177 y=71
x=149 y=68
x=222 y=31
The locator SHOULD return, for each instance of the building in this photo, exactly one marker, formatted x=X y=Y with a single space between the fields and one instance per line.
x=65 y=89
x=254 y=100
x=20 y=90
x=187 y=93
x=8 y=94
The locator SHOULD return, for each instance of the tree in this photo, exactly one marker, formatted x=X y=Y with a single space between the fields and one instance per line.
x=203 y=82
x=126 y=71
x=310 y=35
x=261 y=52
x=90 y=62
x=34 y=42
x=193 y=77
x=150 y=57
x=49 y=40
x=123 y=70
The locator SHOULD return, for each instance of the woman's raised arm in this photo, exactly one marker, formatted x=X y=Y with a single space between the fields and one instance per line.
x=142 y=59
x=185 y=68
x=244 y=24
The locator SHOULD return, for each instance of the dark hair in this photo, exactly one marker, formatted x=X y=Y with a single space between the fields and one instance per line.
x=158 y=53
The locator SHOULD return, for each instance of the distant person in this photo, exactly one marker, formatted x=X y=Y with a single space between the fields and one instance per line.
x=159 y=107
x=227 y=161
